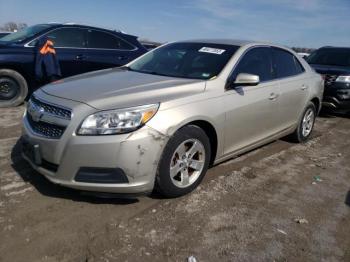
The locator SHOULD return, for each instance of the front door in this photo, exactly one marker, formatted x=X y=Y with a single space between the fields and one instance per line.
x=252 y=111
x=70 y=45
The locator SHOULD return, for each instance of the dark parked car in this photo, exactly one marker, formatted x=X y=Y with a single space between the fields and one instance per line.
x=79 y=49
x=334 y=64
x=150 y=45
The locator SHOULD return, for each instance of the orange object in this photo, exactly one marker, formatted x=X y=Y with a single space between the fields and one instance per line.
x=47 y=48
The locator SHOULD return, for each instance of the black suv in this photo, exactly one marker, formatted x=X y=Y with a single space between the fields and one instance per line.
x=334 y=64
x=79 y=49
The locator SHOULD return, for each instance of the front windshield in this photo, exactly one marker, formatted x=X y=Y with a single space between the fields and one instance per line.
x=186 y=60
x=336 y=57
x=24 y=33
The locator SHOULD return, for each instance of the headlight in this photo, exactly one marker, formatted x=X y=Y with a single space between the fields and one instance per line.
x=117 y=121
x=343 y=79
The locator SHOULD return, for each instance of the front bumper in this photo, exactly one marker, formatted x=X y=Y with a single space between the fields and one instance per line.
x=135 y=154
x=333 y=104
x=337 y=98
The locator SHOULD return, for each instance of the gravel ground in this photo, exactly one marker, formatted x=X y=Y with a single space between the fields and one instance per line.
x=281 y=202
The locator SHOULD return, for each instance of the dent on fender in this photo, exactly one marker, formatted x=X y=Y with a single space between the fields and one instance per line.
x=142 y=147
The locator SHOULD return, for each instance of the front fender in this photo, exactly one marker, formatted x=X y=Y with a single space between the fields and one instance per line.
x=170 y=120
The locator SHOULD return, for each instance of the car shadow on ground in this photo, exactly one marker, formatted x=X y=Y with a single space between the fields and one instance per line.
x=47 y=188
x=347 y=198
x=329 y=114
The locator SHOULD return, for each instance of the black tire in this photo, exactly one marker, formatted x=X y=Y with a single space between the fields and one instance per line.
x=13 y=88
x=164 y=183
x=298 y=135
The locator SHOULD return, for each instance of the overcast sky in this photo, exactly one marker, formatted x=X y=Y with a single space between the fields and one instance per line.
x=307 y=23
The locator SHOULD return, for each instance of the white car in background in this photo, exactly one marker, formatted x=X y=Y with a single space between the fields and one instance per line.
x=303 y=55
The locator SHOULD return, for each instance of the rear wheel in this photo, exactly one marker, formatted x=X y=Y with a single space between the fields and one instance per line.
x=306 y=124
x=184 y=162
x=13 y=88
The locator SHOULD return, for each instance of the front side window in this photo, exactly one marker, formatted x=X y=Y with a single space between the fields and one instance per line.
x=186 y=60
x=68 y=37
x=102 y=40
x=257 y=61
x=286 y=64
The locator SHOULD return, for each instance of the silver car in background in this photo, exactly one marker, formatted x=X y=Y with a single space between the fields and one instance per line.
x=162 y=120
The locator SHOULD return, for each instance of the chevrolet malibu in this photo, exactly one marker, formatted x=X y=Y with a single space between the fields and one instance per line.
x=160 y=121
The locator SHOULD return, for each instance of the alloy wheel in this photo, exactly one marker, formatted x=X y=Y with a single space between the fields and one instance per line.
x=187 y=163
x=308 y=122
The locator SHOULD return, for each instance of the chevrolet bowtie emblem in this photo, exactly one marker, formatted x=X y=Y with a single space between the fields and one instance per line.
x=36 y=112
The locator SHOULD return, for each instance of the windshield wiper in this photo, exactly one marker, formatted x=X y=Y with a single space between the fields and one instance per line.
x=153 y=73
x=145 y=72
x=125 y=67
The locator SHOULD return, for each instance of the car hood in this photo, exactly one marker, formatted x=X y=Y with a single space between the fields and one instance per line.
x=331 y=70
x=118 y=88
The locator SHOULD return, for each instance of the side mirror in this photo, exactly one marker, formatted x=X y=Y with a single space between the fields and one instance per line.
x=244 y=79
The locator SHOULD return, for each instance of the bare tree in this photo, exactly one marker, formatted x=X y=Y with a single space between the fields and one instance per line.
x=21 y=26
x=12 y=26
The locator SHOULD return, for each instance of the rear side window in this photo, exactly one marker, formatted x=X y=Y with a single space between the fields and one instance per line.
x=102 y=40
x=286 y=64
x=257 y=61
x=68 y=37
x=300 y=68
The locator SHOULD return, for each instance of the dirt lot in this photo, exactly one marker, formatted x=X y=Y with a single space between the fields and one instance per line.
x=245 y=210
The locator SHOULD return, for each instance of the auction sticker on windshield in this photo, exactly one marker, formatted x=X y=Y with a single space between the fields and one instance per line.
x=212 y=50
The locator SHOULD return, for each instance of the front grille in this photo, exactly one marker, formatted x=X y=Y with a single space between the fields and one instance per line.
x=46 y=129
x=52 y=109
x=329 y=80
x=46 y=119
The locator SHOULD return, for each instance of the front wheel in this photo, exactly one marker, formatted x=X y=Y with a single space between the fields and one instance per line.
x=13 y=88
x=306 y=124
x=184 y=162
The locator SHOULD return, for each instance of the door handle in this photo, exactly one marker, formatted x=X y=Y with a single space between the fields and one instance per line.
x=80 y=57
x=273 y=96
x=304 y=87
x=122 y=57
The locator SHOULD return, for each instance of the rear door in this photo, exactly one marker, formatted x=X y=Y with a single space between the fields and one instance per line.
x=105 y=50
x=70 y=44
x=252 y=111
x=293 y=86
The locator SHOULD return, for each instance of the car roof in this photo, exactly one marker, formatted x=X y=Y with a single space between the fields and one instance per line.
x=54 y=24
x=335 y=47
x=222 y=41
x=234 y=42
